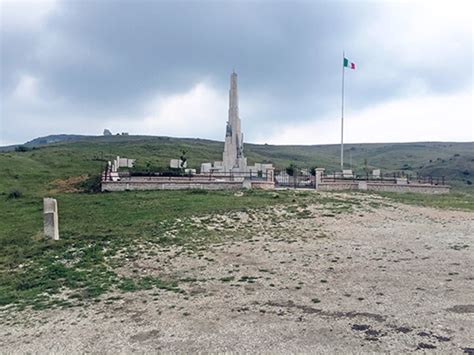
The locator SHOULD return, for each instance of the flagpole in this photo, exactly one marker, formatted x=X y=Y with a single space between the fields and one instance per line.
x=342 y=115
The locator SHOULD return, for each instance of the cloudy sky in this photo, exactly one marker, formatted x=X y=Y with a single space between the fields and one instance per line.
x=162 y=68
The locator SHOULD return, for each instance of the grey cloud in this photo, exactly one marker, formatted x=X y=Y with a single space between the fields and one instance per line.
x=105 y=58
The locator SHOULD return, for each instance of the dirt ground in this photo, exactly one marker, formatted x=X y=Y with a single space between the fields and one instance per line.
x=382 y=277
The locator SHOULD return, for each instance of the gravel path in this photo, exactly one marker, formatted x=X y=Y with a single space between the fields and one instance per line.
x=389 y=278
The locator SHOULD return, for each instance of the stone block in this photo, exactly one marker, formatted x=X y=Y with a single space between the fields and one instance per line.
x=125 y=162
x=50 y=218
x=402 y=181
x=362 y=185
x=176 y=164
x=206 y=168
x=347 y=173
x=115 y=176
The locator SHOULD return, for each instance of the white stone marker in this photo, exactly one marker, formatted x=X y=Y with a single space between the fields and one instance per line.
x=402 y=181
x=319 y=176
x=50 y=218
x=362 y=185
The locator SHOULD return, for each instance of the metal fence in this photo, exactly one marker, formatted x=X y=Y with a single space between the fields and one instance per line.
x=282 y=179
x=211 y=176
x=388 y=178
x=261 y=175
x=296 y=181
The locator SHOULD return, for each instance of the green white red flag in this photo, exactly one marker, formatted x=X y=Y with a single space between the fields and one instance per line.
x=348 y=64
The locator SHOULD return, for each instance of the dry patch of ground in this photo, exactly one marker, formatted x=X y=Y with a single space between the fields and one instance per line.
x=67 y=185
x=374 y=276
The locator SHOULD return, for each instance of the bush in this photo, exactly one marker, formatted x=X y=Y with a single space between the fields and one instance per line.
x=22 y=148
x=92 y=184
x=291 y=169
x=14 y=194
x=198 y=192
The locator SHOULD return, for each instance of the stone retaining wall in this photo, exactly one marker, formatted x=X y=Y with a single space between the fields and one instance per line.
x=179 y=183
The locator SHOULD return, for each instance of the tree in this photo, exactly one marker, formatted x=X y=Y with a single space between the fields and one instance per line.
x=22 y=148
x=183 y=159
x=366 y=166
x=148 y=167
x=291 y=169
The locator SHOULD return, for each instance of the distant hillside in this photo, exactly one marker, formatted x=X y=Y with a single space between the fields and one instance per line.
x=55 y=138
x=36 y=170
x=40 y=141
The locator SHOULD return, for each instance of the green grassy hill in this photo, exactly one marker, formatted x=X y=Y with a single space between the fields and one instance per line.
x=36 y=172
x=94 y=228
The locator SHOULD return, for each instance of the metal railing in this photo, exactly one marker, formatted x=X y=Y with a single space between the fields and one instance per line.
x=211 y=176
x=296 y=181
x=387 y=178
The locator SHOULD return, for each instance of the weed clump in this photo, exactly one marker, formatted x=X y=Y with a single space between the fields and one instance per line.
x=14 y=194
x=198 y=192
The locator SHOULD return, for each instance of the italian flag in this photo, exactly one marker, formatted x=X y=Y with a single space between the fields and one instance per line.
x=348 y=64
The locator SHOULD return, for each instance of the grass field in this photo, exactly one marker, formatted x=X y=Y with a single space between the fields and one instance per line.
x=94 y=229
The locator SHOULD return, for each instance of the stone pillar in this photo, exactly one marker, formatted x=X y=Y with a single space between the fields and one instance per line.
x=319 y=176
x=270 y=174
x=50 y=218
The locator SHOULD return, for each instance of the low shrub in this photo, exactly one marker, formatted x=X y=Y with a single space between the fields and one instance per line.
x=22 y=148
x=13 y=194
x=198 y=192
x=92 y=184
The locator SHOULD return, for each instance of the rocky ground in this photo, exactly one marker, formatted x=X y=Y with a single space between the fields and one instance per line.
x=373 y=276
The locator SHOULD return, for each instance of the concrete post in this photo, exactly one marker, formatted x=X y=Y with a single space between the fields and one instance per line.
x=319 y=176
x=50 y=218
x=247 y=184
x=270 y=174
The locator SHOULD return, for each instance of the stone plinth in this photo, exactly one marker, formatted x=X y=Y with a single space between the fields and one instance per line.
x=362 y=185
x=347 y=173
x=402 y=181
x=50 y=218
x=178 y=164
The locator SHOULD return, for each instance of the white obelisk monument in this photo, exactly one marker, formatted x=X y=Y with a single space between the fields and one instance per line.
x=233 y=159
